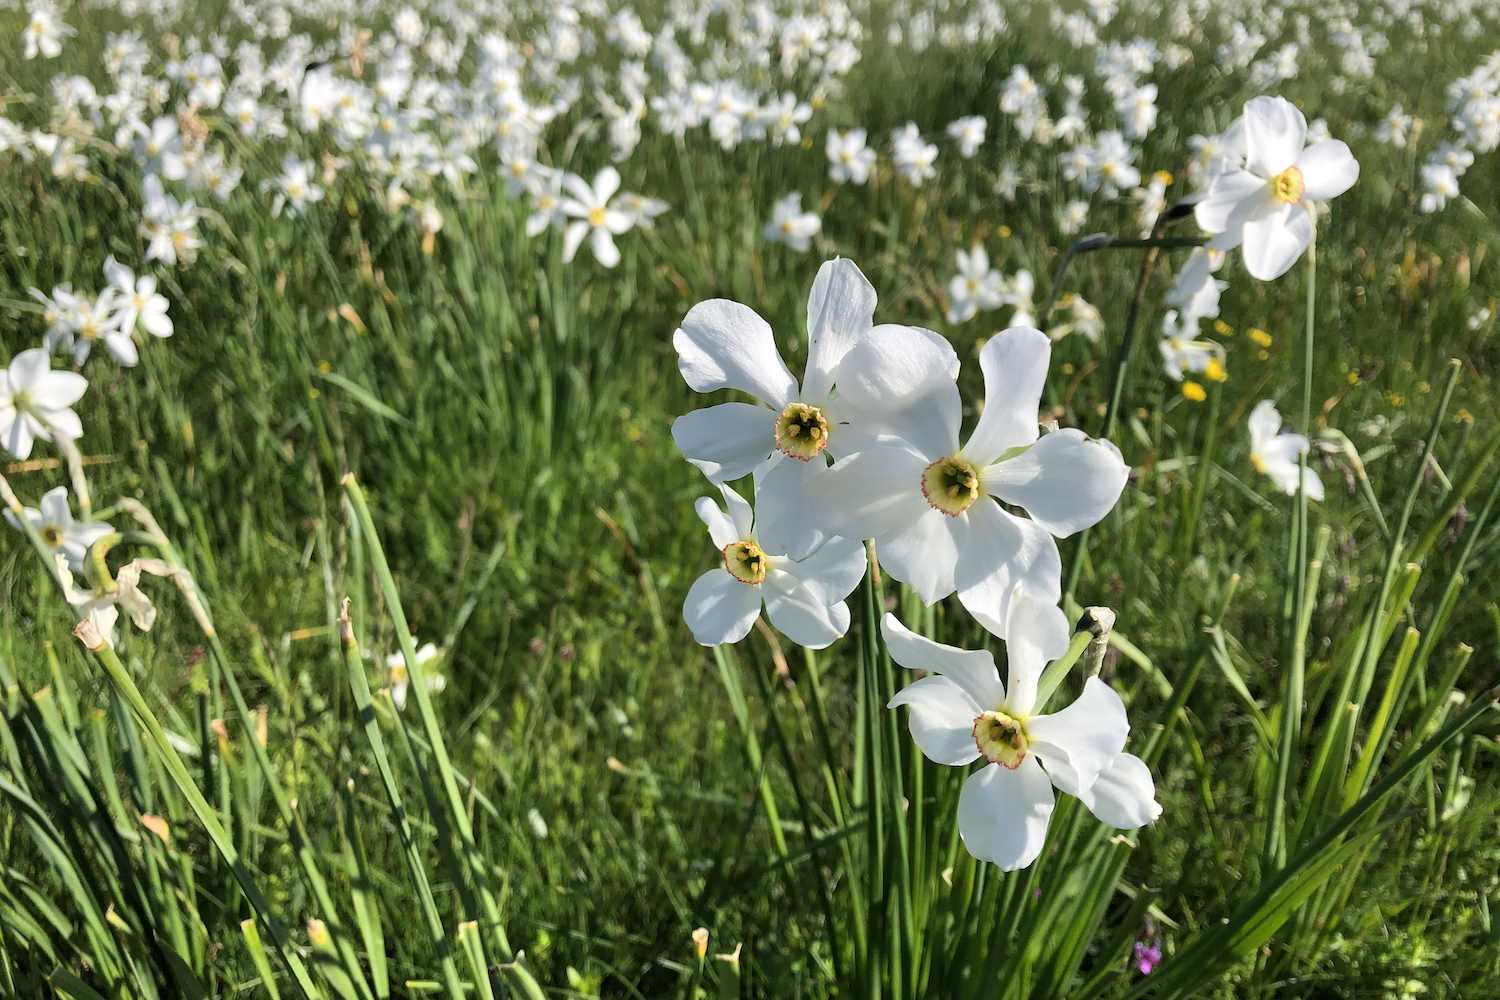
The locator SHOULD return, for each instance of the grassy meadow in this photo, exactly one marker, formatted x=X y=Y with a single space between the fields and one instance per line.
x=507 y=417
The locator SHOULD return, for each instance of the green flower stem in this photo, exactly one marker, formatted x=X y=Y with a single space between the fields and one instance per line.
x=121 y=681
x=521 y=978
x=360 y=685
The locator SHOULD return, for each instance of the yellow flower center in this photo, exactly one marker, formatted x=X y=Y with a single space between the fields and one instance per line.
x=51 y=534
x=950 y=485
x=596 y=217
x=801 y=431
x=745 y=562
x=1000 y=738
x=1258 y=462
x=1288 y=186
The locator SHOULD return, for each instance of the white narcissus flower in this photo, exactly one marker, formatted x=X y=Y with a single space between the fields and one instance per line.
x=792 y=226
x=1267 y=207
x=1275 y=454
x=849 y=159
x=1196 y=294
x=1180 y=352
x=976 y=286
x=45 y=31
x=34 y=402
x=930 y=502
x=137 y=300
x=54 y=523
x=961 y=712
x=968 y=132
x=589 y=207
x=725 y=345
x=804 y=599
x=1018 y=292
x=400 y=677
x=295 y=188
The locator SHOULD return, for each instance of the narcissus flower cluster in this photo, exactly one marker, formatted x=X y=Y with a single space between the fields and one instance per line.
x=867 y=445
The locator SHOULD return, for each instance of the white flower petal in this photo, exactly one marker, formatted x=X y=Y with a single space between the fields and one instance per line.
x=1274 y=240
x=840 y=310
x=901 y=379
x=1004 y=550
x=603 y=244
x=871 y=493
x=1226 y=194
x=720 y=525
x=1014 y=363
x=725 y=345
x=29 y=368
x=1066 y=481
x=1123 y=795
x=726 y=441
x=832 y=572
x=720 y=608
x=972 y=670
x=1036 y=633
x=1003 y=814
x=800 y=614
x=1275 y=132
x=739 y=512
x=1328 y=170
x=785 y=525
x=1081 y=740
x=573 y=239
x=941 y=720
x=924 y=551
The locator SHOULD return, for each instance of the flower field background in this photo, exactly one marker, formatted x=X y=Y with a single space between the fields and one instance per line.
x=421 y=356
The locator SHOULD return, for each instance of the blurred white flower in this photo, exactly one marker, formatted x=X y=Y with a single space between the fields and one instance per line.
x=294 y=188
x=1275 y=454
x=848 y=157
x=53 y=520
x=968 y=132
x=44 y=31
x=792 y=226
x=35 y=401
x=137 y=300
x=976 y=286
x=589 y=208
x=399 y=677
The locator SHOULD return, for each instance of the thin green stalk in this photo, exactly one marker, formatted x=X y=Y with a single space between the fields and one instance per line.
x=120 y=679
x=519 y=975
x=359 y=684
